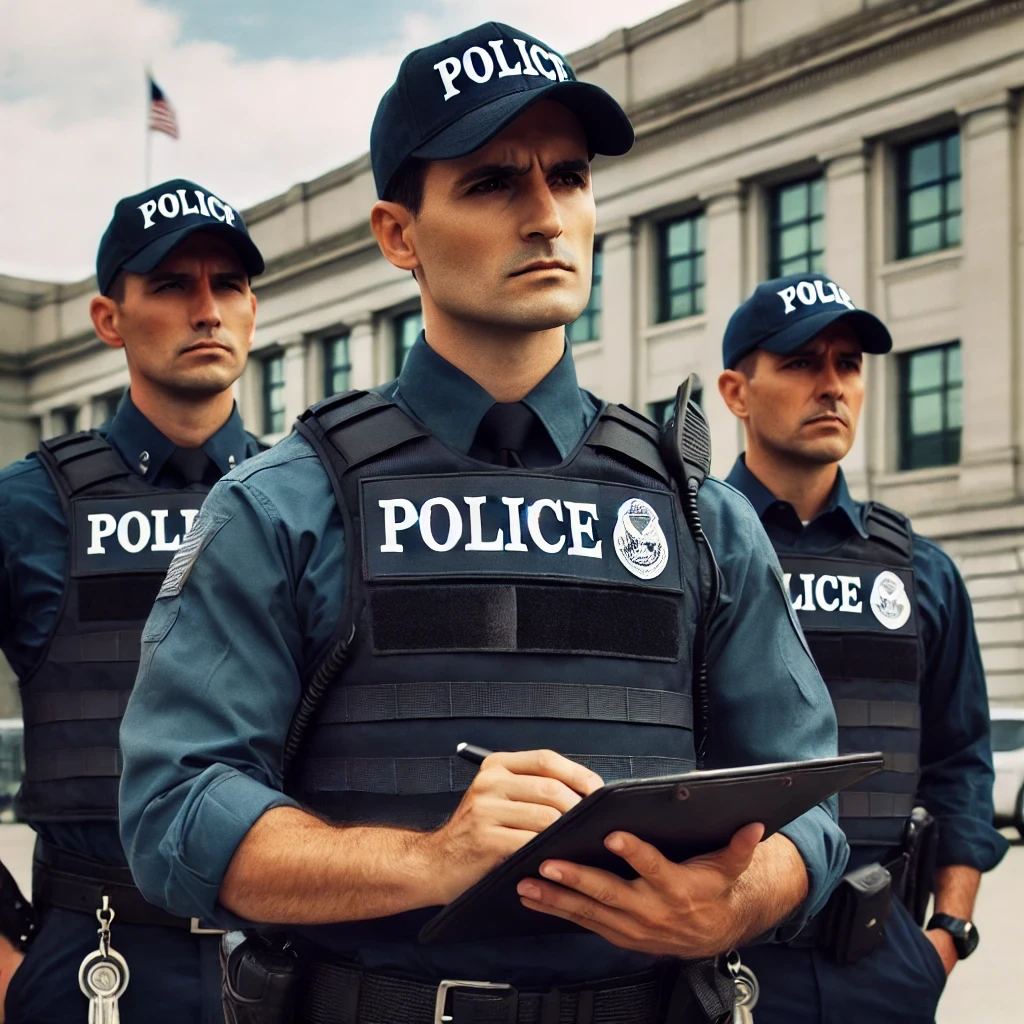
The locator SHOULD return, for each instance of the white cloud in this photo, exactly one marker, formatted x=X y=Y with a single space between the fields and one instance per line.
x=73 y=108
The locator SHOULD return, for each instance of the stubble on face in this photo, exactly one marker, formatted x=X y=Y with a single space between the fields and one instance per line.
x=804 y=407
x=505 y=236
x=187 y=326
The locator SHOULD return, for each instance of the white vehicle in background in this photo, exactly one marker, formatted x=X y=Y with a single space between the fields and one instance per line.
x=1008 y=758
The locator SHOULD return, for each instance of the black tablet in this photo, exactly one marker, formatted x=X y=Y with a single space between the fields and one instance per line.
x=682 y=815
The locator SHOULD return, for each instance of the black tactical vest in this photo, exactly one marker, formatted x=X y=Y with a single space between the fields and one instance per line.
x=858 y=609
x=515 y=609
x=122 y=533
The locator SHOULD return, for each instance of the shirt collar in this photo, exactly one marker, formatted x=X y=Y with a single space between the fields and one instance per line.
x=762 y=499
x=452 y=404
x=145 y=449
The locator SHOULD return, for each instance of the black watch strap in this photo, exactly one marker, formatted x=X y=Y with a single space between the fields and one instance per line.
x=964 y=933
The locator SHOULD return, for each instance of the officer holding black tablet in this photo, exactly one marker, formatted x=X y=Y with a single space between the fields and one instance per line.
x=889 y=621
x=88 y=526
x=479 y=551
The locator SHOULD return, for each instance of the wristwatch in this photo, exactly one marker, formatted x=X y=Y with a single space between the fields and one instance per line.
x=965 y=934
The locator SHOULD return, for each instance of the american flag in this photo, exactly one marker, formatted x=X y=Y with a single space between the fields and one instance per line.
x=162 y=117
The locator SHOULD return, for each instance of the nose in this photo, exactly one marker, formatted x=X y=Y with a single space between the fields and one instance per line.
x=541 y=219
x=830 y=384
x=205 y=312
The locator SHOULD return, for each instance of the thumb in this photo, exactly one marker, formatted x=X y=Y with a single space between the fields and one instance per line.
x=735 y=858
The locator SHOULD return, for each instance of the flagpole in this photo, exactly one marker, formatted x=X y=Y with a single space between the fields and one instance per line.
x=149 y=134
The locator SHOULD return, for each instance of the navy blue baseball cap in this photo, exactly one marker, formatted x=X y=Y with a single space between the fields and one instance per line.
x=784 y=314
x=147 y=226
x=452 y=97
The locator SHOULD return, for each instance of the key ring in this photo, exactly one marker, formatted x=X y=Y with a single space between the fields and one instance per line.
x=105 y=916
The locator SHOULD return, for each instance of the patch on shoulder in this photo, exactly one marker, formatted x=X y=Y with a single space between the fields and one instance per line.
x=204 y=529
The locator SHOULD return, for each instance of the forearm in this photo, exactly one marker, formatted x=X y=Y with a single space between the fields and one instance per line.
x=769 y=890
x=956 y=889
x=293 y=868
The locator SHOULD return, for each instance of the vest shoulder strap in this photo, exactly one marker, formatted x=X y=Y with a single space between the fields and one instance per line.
x=360 y=425
x=627 y=433
x=80 y=462
x=889 y=527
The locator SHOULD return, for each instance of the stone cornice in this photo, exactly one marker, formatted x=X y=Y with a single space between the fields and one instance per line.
x=836 y=52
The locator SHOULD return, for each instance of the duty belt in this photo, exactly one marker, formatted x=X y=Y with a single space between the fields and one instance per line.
x=339 y=994
x=70 y=882
x=815 y=932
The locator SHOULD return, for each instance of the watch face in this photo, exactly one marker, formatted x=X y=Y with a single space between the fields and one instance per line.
x=967 y=942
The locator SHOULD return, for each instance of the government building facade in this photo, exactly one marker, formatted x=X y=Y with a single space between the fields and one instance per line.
x=877 y=140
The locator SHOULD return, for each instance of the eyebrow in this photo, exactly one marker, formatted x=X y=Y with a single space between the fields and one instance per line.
x=485 y=171
x=221 y=275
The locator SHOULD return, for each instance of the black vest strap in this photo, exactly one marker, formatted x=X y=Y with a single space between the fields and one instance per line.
x=874 y=805
x=631 y=435
x=891 y=714
x=80 y=763
x=889 y=527
x=81 y=462
x=419 y=776
x=114 y=645
x=397 y=701
x=76 y=706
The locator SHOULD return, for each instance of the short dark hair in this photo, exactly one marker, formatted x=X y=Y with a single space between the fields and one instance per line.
x=406 y=185
x=748 y=363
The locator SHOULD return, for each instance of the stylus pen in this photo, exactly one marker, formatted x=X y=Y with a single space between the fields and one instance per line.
x=472 y=754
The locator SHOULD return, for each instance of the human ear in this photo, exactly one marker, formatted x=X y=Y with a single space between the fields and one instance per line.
x=732 y=386
x=103 y=310
x=392 y=225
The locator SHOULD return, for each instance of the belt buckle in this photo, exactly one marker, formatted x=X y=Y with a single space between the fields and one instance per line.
x=195 y=928
x=440 y=1017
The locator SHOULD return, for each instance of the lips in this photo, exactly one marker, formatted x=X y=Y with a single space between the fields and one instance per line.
x=541 y=265
x=204 y=346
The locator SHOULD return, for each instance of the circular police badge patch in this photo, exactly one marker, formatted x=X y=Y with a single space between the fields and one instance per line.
x=890 y=601
x=639 y=540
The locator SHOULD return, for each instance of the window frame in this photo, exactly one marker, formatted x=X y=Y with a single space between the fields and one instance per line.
x=950 y=437
x=398 y=353
x=776 y=226
x=268 y=388
x=904 y=191
x=696 y=256
x=591 y=314
x=327 y=342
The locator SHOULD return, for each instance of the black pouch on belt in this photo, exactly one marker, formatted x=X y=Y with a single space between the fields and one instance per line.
x=920 y=845
x=859 y=910
x=261 y=975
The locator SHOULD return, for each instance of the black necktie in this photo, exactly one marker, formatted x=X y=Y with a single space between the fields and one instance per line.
x=511 y=434
x=190 y=468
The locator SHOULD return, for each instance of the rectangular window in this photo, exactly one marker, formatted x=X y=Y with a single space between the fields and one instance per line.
x=337 y=365
x=587 y=326
x=931 y=385
x=407 y=330
x=681 y=267
x=797 y=228
x=928 y=179
x=106 y=405
x=65 y=421
x=273 y=394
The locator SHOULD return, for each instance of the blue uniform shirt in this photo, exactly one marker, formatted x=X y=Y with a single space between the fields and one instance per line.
x=956 y=752
x=33 y=565
x=222 y=662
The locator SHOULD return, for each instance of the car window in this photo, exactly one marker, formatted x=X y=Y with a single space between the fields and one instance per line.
x=1007 y=734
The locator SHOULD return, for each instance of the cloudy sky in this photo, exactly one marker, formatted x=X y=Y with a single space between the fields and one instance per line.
x=267 y=94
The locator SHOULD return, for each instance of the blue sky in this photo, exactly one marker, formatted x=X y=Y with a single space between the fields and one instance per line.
x=267 y=94
x=305 y=30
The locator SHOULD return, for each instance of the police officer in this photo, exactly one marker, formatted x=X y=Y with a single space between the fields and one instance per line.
x=477 y=551
x=889 y=622
x=88 y=525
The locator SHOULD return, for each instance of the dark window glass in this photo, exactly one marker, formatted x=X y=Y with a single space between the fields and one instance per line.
x=106 y=405
x=1007 y=734
x=273 y=394
x=931 y=418
x=407 y=330
x=337 y=365
x=929 y=211
x=797 y=228
x=587 y=326
x=681 y=267
x=65 y=421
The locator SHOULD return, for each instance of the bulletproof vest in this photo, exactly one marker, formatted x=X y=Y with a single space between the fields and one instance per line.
x=122 y=533
x=516 y=609
x=858 y=609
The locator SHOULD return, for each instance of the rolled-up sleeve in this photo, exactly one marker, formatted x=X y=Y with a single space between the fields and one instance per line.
x=956 y=747
x=218 y=683
x=768 y=701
